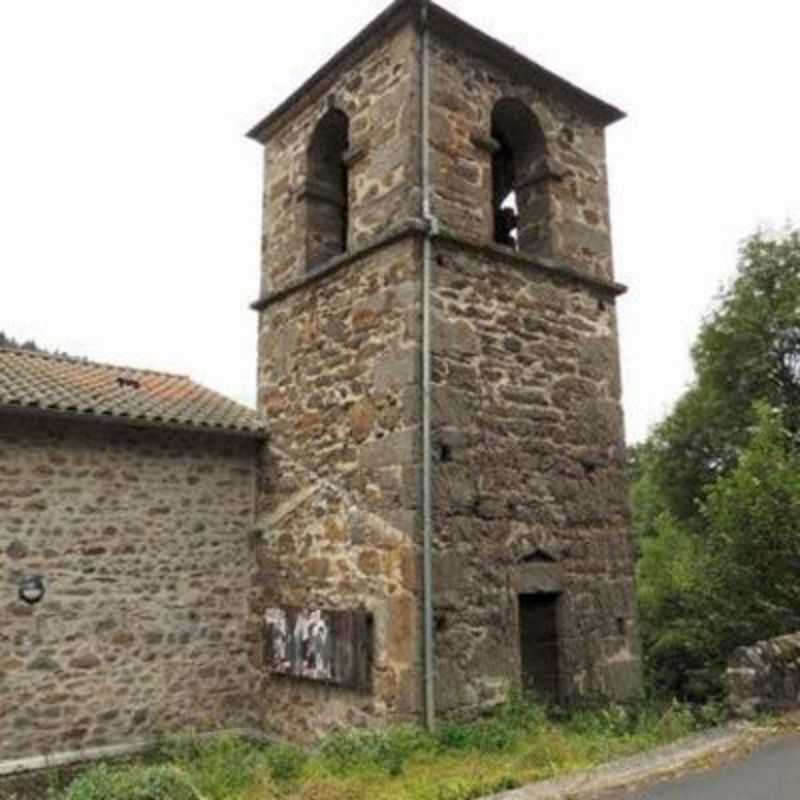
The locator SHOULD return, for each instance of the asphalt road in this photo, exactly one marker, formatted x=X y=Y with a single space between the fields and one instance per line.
x=770 y=773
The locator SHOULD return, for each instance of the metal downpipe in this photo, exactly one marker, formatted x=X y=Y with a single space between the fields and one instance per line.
x=427 y=444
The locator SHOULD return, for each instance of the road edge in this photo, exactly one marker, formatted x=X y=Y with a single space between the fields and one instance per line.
x=644 y=768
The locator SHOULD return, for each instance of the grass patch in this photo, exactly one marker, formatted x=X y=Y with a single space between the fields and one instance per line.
x=462 y=761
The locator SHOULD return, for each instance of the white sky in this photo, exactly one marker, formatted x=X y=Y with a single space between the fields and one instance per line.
x=130 y=201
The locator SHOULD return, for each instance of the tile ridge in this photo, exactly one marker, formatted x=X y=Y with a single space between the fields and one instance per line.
x=87 y=362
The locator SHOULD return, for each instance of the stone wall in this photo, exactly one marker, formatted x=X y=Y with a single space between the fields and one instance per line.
x=338 y=379
x=378 y=92
x=765 y=677
x=464 y=93
x=530 y=483
x=340 y=495
x=143 y=538
x=319 y=549
x=158 y=574
x=529 y=486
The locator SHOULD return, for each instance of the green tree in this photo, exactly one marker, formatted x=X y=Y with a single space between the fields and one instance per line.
x=13 y=344
x=717 y=551
x=748 y=350
x=753 y=546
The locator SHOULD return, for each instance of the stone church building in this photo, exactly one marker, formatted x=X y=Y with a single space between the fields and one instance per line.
x=433 y=511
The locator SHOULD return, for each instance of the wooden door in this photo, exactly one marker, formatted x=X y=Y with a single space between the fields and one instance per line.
x=538 y=628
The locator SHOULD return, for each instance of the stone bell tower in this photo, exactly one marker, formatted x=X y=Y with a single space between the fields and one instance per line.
x=443 y=508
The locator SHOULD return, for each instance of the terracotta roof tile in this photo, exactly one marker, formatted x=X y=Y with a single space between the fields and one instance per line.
x=71 y=386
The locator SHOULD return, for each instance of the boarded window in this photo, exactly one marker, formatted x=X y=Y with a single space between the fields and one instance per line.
x=332 y=647
x=538 y=629
x=327 y=189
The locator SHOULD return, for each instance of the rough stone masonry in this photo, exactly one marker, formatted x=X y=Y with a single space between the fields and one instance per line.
x=533 y=565
x=142 y=538
x=765 y=678
x=438 y=365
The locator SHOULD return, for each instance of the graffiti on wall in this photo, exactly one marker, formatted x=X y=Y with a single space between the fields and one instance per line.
x=316 y=645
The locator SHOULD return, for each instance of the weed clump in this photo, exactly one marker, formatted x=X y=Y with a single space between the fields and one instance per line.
x=356 y=751
x=134 y=783
x=285 y=763
x=520 y=743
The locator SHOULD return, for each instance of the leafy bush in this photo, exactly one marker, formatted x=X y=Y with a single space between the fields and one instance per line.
x=132 y=783
x=711 y=714
x=753 y=515
x=182 y=768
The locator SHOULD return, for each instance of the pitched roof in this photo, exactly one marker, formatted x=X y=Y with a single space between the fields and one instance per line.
x=45 y=383
x=452 y=27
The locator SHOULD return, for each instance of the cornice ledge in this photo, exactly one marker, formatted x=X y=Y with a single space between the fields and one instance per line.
x=412 y=227
x=552 y=266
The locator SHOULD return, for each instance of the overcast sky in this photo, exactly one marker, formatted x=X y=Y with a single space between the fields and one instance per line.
x=130 y=201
